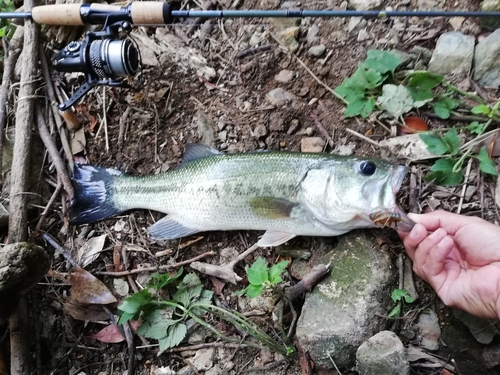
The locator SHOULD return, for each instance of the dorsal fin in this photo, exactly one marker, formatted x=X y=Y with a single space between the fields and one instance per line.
x=196 y=151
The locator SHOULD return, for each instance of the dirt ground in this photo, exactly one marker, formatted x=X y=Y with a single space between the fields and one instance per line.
x=143 y=130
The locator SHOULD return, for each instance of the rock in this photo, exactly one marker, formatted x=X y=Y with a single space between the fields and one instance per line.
x=383 y=353
x=453 y=54
x=312 y=144
x=363 y=35
x=317 y=51
x=429 y=330
x=355 y=25
x=365 y=4
x=486 y=67
x=279 y=97
x=223 y=136
x=257 y=37
x=260 y=131
x=289 y=38
x=312 y=34
x=294 y=125
x=205 y=131
x=203 y=359
x=285 y=76
x=344 y=309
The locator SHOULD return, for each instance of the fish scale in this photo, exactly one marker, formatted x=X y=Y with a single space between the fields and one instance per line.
x=284 y=193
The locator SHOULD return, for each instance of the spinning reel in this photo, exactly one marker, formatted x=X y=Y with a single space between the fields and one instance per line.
x=102 y=57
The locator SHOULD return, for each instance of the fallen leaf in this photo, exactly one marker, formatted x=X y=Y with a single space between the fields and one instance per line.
x=91 y=313
x=90 y=250
x=218 y=285
x=111 y=334
x=413 y=125
x=87 y=289
x=121 y=287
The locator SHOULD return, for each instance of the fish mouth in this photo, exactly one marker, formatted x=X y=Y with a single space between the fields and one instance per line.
x=395 y=218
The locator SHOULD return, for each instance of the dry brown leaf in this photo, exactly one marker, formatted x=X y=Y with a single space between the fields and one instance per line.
x=87 y=289
x=90 y=250
x=91 y=313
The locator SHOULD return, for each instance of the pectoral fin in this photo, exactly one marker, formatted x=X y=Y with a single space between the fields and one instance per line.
x=168 y=229
x=272 y=208
x=274 y=238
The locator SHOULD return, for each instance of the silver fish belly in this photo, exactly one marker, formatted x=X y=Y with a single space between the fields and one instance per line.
x=286 y=194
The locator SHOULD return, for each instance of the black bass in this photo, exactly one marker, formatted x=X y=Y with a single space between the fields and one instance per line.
x=287 y=194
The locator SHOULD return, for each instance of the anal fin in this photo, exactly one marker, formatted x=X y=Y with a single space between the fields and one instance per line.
x=168 y=229
x=274 y=238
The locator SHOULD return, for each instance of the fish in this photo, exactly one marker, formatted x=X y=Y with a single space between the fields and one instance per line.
x=285 y=194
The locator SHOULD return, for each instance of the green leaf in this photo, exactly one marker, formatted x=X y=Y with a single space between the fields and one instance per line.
x=408 y=298
x=482 y=109
x=425 y=81
x=435 y=143
x=135 y=302
x=420 y=97
x=176 y=334
x=395 y=100
x=360 y=106
x=253 y=291
x=188 y=290
x=381 y=61
x=443 y=107
x=398 y=294
x=257 y=273
x=156 y=324
x=395 y=312
x=160 y=281
x=125 y=317
x=452 y=140
x=476 y=127
x=486 y=165
x=276 y=270
x=494 y=110
x=442 y=173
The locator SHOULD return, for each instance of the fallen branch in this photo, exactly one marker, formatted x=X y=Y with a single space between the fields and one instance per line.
x=226 y=271
x=308 y=282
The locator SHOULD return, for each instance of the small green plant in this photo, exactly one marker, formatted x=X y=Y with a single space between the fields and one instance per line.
x=5 y=6
x=260 y=277
x=167 y=302
x=399 y=296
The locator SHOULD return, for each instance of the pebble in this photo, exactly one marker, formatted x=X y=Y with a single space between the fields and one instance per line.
x=285 y=76
x=294 y=125
x=383 y=353
x=312 y=34
x=312 y=144
x=260 y=131
x=429 y=330
x=289 y=38
x=317 y=51
x=279 y=97
x=223 y=136
x=203 y=359
x=365 y=4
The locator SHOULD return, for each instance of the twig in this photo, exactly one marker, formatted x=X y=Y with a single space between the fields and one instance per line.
x=18 y=219
x=322 y=129
x=8 y=72
x=334 y=364
x=59 y=248
x=464 y=187
x=151 y=269
x=363 y=137
x=224 y=272
x=105 y=118
x=198 y=347
x=46 y=209
x=253 y=51
x=308 y=281
x=55 y=111
x=123 y=122
x=54 y=154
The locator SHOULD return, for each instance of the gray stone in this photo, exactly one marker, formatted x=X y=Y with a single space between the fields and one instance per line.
x=312 y=34
x=260 y=131
x=203 y=359
x=486 y=67
x=345 y=309
x=279 y=97
x=383 y=353
x=205 y=131
x=284 y=76
x=312 y=144
x=429 y=330
x=289 y=38
x=317 y=51
x=365 y=4
x=453 y=54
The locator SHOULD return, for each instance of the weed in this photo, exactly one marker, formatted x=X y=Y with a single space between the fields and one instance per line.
x=399 y=296
x=260 y=277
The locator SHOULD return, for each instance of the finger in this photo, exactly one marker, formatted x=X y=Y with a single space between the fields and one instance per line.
x=434 y=267
x=441 y=219
x=412 y=239
x=423 y=250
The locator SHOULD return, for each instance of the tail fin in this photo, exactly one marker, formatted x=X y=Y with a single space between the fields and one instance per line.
x=93 y=200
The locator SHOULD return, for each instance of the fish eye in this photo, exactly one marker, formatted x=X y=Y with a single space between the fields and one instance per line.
x=367 y=168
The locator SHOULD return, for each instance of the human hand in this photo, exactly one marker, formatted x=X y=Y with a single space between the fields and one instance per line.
x=460 y=259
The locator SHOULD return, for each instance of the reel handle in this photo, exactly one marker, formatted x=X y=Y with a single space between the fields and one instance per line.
x=137 y=13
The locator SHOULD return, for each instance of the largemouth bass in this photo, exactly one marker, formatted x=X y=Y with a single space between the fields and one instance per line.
x=287 y=194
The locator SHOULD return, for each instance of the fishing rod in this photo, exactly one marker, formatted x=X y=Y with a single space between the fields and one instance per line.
x=107 y=60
